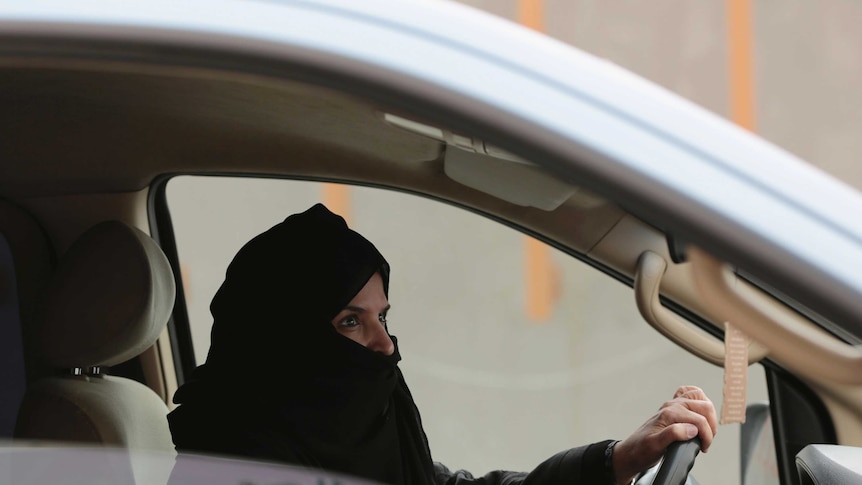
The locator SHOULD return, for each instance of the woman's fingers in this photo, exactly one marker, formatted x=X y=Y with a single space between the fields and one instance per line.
x=680 y=423
x=690 y=406
x=694 y=391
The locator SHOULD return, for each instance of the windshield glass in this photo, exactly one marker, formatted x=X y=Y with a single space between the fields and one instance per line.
x=512 y=349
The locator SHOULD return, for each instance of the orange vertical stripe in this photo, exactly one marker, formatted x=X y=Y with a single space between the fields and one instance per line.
x=337 y=198
x=741 y=62
x=537 y=255
x=539 y=279
x=531 y=13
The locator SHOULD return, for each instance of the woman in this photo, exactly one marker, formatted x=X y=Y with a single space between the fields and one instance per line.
x=302 y=369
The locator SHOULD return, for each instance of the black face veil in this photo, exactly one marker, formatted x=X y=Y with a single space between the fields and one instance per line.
x=281 y=383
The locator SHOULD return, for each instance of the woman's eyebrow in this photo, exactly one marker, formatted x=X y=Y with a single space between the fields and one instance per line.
x=359 y=309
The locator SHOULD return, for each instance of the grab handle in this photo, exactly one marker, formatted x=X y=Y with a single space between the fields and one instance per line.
x=650 y=270
x=803 y=348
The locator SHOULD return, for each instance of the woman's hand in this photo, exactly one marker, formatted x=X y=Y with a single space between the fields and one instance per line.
x=690 y=413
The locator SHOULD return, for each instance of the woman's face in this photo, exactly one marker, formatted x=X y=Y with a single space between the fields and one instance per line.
x=363 y=320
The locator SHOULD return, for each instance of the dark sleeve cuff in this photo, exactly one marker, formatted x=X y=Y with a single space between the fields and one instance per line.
x=594 y=466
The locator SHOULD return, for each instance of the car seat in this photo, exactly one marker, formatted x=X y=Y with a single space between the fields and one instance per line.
x=108 y=301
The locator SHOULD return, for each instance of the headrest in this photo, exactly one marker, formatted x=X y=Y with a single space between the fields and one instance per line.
x=109 y=300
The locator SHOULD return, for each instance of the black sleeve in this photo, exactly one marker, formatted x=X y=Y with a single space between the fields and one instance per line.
x=584 y=465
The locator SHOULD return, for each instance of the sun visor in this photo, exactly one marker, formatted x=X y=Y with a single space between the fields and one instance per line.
x=516 y=182
x=494 y=171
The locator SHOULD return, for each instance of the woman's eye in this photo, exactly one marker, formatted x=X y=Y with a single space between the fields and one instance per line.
x=382 y=319
x=349 y=322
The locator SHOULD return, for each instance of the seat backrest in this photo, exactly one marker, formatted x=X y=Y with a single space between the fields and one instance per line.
x=108 y=301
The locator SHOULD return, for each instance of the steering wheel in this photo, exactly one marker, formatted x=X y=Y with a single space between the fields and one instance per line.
x=674 y=467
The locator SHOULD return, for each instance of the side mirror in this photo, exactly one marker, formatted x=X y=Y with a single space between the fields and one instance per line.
x=758 y=464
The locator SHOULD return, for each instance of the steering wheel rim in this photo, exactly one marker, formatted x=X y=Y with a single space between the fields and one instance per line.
x=677 y=463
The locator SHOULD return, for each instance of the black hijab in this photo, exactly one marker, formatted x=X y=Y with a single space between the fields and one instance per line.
x=281 y=383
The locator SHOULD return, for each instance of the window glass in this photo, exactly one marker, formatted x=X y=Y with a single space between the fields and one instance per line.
x=508 y=362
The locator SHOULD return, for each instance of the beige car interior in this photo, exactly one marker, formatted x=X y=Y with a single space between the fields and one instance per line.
x=108 y=301
x=91 y=137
